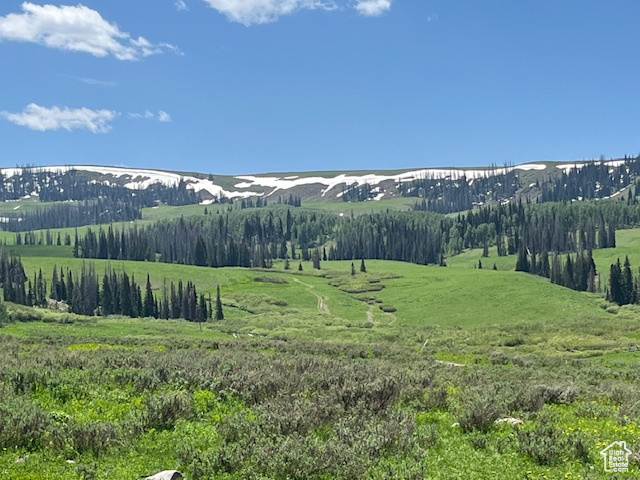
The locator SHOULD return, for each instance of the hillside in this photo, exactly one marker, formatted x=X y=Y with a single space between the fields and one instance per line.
x=355 y=341
x=530 y=180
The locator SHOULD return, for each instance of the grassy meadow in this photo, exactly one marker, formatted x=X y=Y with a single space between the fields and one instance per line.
x=405 y=371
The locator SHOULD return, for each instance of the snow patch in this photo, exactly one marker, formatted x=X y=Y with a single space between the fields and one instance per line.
x=286 y=183
x=531 y=166
x=140 y=178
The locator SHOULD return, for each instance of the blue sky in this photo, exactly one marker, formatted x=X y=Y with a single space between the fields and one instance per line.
x=246 y=86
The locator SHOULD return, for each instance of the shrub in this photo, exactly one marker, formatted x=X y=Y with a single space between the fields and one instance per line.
x=164 y=410
x=545 y=443
x=513 y=342
x=94 y=437
x=265 y=279
x=479 y=411
x=23 y=425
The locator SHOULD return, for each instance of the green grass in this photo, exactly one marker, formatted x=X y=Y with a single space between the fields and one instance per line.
x=23 y=205
x=627 y=244
x=423 y=295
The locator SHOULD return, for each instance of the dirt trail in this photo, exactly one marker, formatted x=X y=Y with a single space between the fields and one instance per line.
x=322 y=306
x=370 y=314
x=392 y=316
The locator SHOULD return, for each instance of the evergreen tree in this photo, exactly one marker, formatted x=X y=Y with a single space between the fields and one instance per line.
x=567 y=273
x=353 y=269
x=219 y=313
x=522 y=263
x=148 y=306
x=125 y=296
x=627 y=294
x=55 y=288
x=611 y=241
x=106 y=297
x=363 y=267
x=300 y=267
x=202 y=309
x=615 y=283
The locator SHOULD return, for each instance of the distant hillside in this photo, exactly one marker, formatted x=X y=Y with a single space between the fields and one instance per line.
x=442 y=190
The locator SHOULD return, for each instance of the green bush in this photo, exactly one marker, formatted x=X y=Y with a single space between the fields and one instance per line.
x=546 y=444
x=163 y=410
x=479 y=411
x=23 y=424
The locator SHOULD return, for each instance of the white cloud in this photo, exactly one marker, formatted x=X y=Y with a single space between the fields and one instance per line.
x=181 y=5
x=40 y=118
x=147 y=114
x=372 y=8
x=163 y=116
x=250 y=12
x=99 y=83
x=75 y=28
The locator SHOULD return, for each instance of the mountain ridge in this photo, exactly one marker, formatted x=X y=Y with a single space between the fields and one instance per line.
x=332 y=185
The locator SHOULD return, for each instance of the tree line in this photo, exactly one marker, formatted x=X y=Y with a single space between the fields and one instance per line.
x=455 y=195
x=623 y=286
x=591 y=180
x=85 y=212
x=116 y=293
x=74 y=185
x=255 y=238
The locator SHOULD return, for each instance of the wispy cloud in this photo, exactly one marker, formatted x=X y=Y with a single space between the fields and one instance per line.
x=75 y=28
x=42 y=119
x=160 y=116
x=99 y=83
x=251 y=12
x=181 y=5
x=163 y=116
x=372 y=8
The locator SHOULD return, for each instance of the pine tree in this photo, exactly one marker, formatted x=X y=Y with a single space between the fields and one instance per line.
x=591 y=280
x=202 y=309
x=567 y=273
x=611 y=241
x=363 y=267
x=125 y=296
x=626 y=284
x=55 y=288
x=522 y=264
x=300 y=267
x=106 y=299
x=615 y=281
x=148 y=306
x=353 y=269
x=316 y=259
x=219 y=313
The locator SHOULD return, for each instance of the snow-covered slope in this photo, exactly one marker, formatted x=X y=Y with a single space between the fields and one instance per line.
x=286 y=183
x=138 y=179
x=315 y=184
